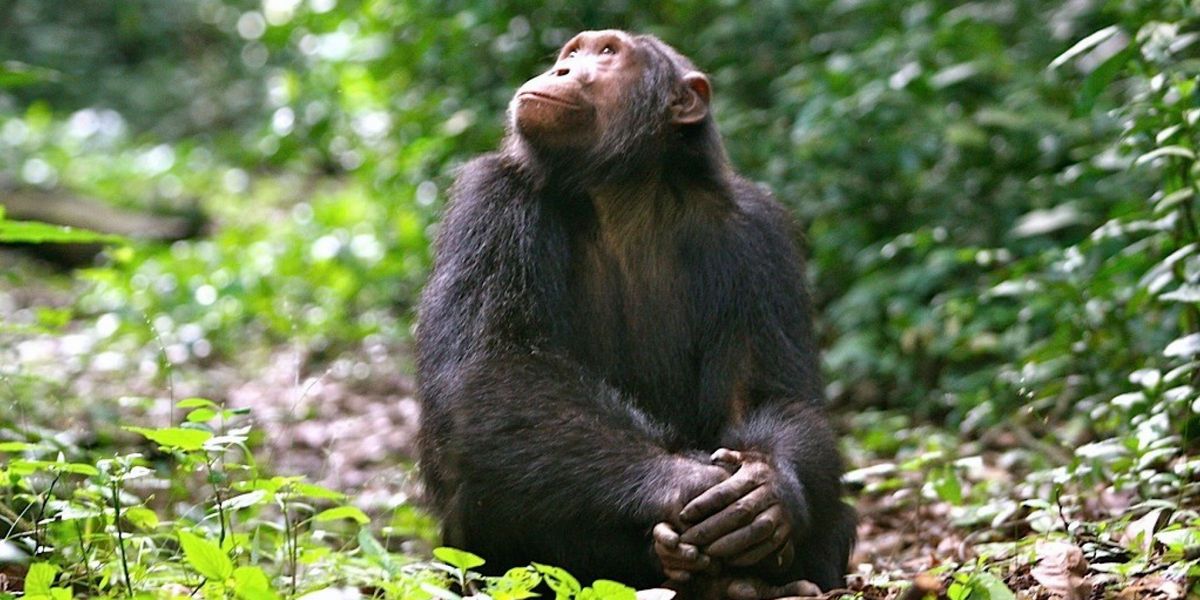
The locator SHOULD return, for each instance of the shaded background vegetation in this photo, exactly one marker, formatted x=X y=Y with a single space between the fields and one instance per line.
x=1001 y=223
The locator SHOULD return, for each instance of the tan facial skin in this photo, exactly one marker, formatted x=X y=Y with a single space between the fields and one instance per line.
x=566 y=107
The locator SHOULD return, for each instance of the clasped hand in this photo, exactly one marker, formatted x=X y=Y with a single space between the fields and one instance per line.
x=738 y=520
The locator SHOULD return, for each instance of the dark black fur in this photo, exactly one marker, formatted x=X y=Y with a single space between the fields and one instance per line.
x=560 y=369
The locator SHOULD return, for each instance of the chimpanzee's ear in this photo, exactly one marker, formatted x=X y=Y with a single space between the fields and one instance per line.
x=691 y=106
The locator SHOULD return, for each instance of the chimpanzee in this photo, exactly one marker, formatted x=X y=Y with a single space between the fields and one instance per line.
x=616 y=360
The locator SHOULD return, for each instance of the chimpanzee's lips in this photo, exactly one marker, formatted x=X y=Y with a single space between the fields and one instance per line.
x=544 y=97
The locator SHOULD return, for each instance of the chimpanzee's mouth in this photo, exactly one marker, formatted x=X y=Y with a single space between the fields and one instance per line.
x=543 y=97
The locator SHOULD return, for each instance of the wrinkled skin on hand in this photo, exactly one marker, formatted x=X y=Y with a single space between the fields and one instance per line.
x=737 y=523
x=741 y=520
x=680 y=560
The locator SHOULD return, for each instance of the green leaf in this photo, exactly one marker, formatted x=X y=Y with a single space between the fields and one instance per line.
x=201 y=415
x=206 y=557
x=310 y=490
x=1173 y=199
x=517 y=583
x=14 y=447
x=174 y=437
x=77 y=469
x=1186 y=346
x=1084 y=45
x=18 y=74
x=33 y=232
x=1186 y=293
x=563 y=583
x=343 y=512
x=373 y=550
x=611 y=590
x=141 y=517
x=991 y=586
x=247 y=500
x=461 y=559
x=1101 y=76
x=1179 y=151
x=947 y=486
x=196 y=403
x=39 y=579
x=251 y=583
x=438 y=592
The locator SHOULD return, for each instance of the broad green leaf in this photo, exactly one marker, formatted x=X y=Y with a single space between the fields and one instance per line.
x=460 y=559
x=16 y=446
x=517 y=583
x=246 y=500
x=373 y=550
x=251 y=583
x=174 y=437
x=310 y=490
x=343 y=512
x=205 y=557
x=559 y=580
x=1179 y=539
x=1101 y=76
x=77 y=468
x=39 y=579
x=201 y=415
x=196 y=403
x=32 y=232
x=611 y=590
x=992 y=586
x=141 y=517
x=438 y=592
x=947 y=486
x=15 y=74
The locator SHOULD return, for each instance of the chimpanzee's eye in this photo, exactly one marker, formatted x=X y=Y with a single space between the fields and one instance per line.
x=608 y=50
x=572 y=53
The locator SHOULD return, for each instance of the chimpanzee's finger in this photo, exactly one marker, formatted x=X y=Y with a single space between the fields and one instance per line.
x=689 y=558
x=736 y=515
x=725 y=493
x=679 y=576
x=675 y=556
x=665 y=535
x=748 y=545
x=725 y=456
x=769 y=525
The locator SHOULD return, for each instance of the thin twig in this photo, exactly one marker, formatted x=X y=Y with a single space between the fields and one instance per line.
x=116 y=491
x=37 y=522
x=217 y=493
x=83 y=555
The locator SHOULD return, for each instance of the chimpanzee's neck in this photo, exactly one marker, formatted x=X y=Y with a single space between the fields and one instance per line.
x=654 y=204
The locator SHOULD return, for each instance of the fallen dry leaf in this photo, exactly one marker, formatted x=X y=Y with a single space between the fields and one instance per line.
x=1061 y=570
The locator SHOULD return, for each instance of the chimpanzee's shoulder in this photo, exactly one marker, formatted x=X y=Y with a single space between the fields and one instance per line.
x=487 y=183
x=761 y=212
